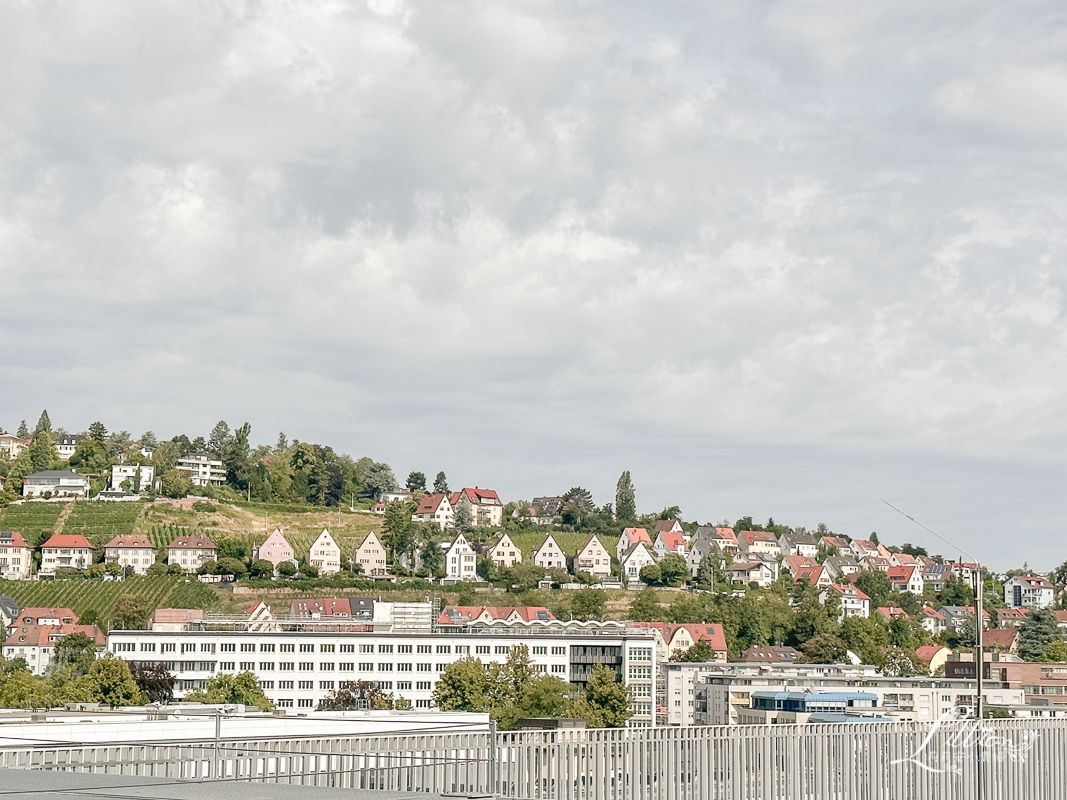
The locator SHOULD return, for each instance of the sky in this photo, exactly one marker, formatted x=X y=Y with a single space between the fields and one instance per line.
x=786 y=259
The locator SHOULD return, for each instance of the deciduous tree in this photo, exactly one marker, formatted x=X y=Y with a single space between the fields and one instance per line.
x=242 y=688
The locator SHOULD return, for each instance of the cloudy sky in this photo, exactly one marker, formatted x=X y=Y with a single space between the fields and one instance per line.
x=775 y=258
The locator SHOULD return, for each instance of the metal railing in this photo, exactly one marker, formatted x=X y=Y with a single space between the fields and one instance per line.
x=1023 y=759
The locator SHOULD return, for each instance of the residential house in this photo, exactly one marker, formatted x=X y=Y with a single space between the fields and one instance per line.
x=191 y=552
x=724 y=537
x=964 y=570
x=835 y=543
x=668 y=526
x=770 y=654
x=842 y=566
x=65 y=550
x=936 y=575
x=549 y=555
x=66 y=444
x=670 y=542
x=1001 y=640
x=44 y=615
x=325 y=554
x=756 y=572
x=906 y=579
x=815 y=576
x=334 y=608
x=852 y=602
x=875 y=563
x=1011 y=617
x=36 y=643
x=630 y=537
x=934 y=656
x=9 y=611
x=903 y=560
x=136 y=552
x=15 y=556
x=371 y=556
x=202 y=469
x=594 y=558
x=708 y=541
x=259 y=619
x=890 y=613
x=546 y=510
x=794 y=563
x=799 y=544
x=435 y=508
x=1029 y=591
x=137 y=477
x=864 y=548
x=504 y=553
x=673 y=640
x=634 y=560
x=484 y=506
x=275 y=549
x=958 y=616
x=933 y=621
x=395 y=496
x=460 y=561
x=55 y=483
x=758 y=542
x=11 y=445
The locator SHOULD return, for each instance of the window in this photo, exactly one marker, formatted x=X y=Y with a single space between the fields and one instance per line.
x=423 y=648
x=188 y=647
x=248 y=666
x=463 y=649
x=326 y=666
x=346 y=666
x=385 y=667
x=481 y=649
x=423 y=667
x=207 y=647
x=307 y=648
x=266 y=684
x=422 y=686
x=266 y=666
x=326 y=648
x=403 y=686
x=325 y=684
x=644 y=690
x=540 y=650
x=286 y=666
x=307 y=666
x=559 y=667
x=639 y=672
x=303 y=703
x=168 y=647
x=348 y=648
x=148 y=647
x=641 y=654
x=501 y=649
x=285 y=703
x=286 y=648
x=366 y=648
x=422 y=704
x=403 y=648
x=227 y=647
x=266 y=648
x=559 y=651
x=444 y=648
x=285 y=684
x=305 y=684
x=385 y=684
x=366 y=666
x=248 y=647
x=385 y=648
x=226 y=666
x=403 y=667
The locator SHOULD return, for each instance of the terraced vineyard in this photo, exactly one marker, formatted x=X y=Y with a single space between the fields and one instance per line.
x=100 y=522
x=35 y=521
x=97 y=598
x=570 y=542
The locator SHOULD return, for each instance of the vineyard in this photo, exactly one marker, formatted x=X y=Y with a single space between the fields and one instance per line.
x=569 y=542
x=94 y=600
x=100 y=522
x=35 y=521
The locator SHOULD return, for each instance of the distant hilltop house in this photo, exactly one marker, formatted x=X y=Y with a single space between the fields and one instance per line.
x=504 y=553
x=594 y=558
x=546 y=510
x=1029 y=591
x=136 y=552
x=65 y=550
x=635 y=559
x=484 y=506
x=670 y=543
x=11 y=445
x=549 y=555
x=202 y=469
x=55 y=483
x=137 y=477
x=435 y=508
x=758 y=542
x=325 y=555
x=67 y=443
x=395 y=496
x=36 y=642
x=371 y=556
x=275 y=549
x=630 y=537
x=460 y=561
x=191 y=552
x=14 y=556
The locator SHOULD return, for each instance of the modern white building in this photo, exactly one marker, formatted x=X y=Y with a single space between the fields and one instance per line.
x=1029 y=591
x=55 y=483
x=202 y=469
x=139 y=477
x=298 y=668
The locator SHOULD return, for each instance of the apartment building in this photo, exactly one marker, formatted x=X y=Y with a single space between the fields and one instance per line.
x=138 y=477
x=55 y=483
x=191 y=552
x=14 y=556
x=486 y=509
x=203 y=470
x=65 y=550
x=298 y=668
x=134 y=551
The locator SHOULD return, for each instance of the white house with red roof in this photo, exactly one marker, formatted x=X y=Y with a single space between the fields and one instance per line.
x=486 y=510
x=852 y=602
x=191 y=552
x=903 y=560
x=815 y=576
x=504 y=553
x=838 y=543
x=436 y=508
x=37 y=643
x=890 y=613
x=933 y=621
x=758 y=542
x=865 y=548
x=668 y=526
x=674 y=639
x=15 y=556
x=460 y=561
x=630 y=537
x=549 y=555
x=275 y=549
x=670 y=542
x=1029 y=591
x=65 y=550
x=594 y=558
x=875 y=562
x=634 y=560
x=135 y=551
x=906 y=579
x=795 y=563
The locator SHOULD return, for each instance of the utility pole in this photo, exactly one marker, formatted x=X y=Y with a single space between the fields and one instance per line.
x=979 y=667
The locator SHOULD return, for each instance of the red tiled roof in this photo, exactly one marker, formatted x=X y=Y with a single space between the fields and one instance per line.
x=637 y=535
x=928 y=652
x=900 y=574
x=44 y=635
x=848 y=589
x=891 y=613
x=177 y=615
x=326 y=607
x=69 y=540
x=675 y=541
x=130 y=541
x=1034 y=581
x=751 y=537
x=811 y=574
x=15 y=538
x=34 y=613
x=430 y=504
x=727 y=534
x=1000 y=638
x=191 y=543
x=478 y=496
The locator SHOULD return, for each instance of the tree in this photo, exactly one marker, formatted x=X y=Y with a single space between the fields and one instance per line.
x=701 y=651
x=605 y=702
x=242 y=688
x=232 y=566
x=112 y=683
x=131 y=612
x=706 y=570
x=76 y=652
x=461 y=520
x=650 y=575
x=44 y=424
x=1056 y=652
x=216 y=442
x=646 y=607
x=440 y=483
x=577 y=505
x=1037 y=633
x=42 y=452
x=625 y=502
x=398 y=534
x=175 y=483
x=416 y=482
x=957 y=592
x=587 y=604
x=673 y=570
x=23 y=432
x=262 y=569
x=356 y=695
x=899 y=663
x=877 y=586
x=377 y=478
x=522 y=577
x=98 y=433
x=237 y=458
x=824 y=649
x=154 y=681
x=287 y=569
x=463 y=686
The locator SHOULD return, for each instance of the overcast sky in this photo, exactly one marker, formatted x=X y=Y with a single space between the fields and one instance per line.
x=778 y=258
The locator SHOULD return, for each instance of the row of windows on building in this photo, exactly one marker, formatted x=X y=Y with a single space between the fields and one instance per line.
x=323 y=666
x=267 y=647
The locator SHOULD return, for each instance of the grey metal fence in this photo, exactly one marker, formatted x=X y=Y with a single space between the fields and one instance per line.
x=1021 y=760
